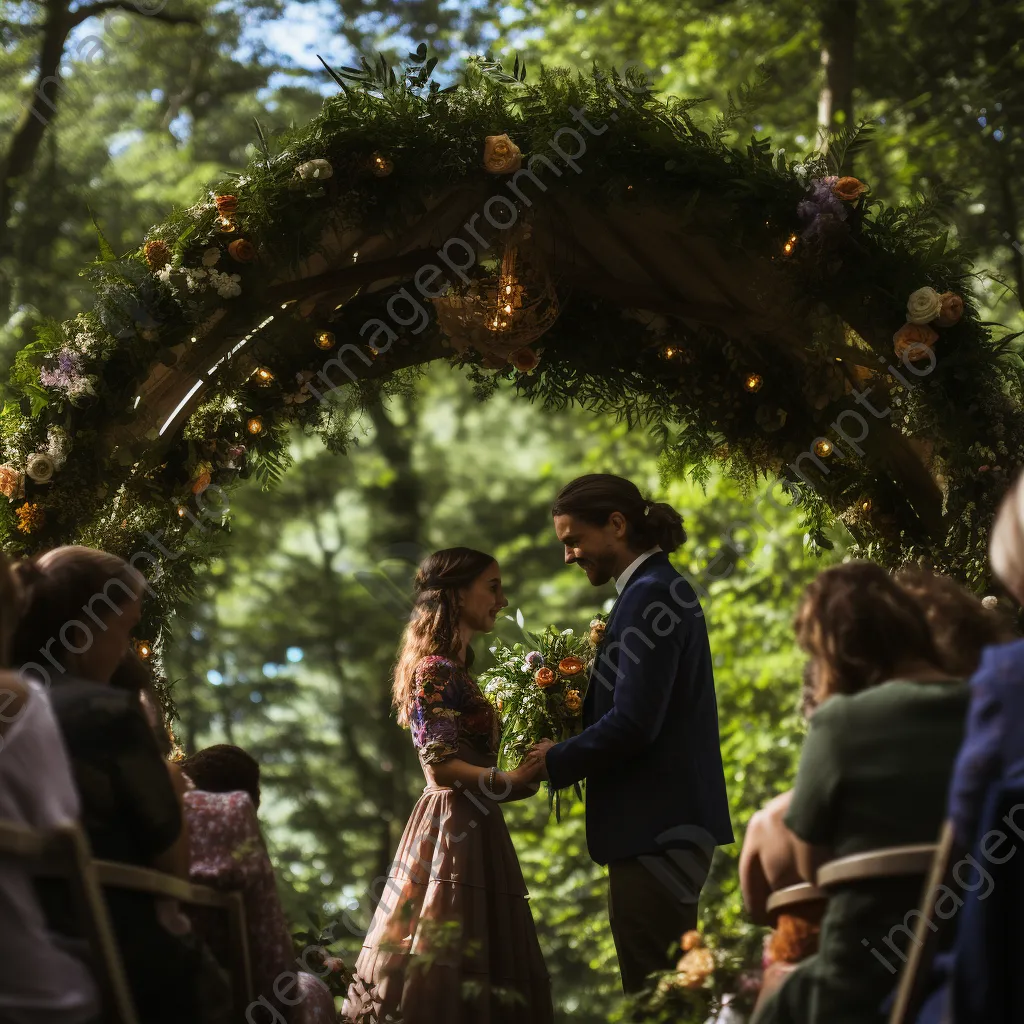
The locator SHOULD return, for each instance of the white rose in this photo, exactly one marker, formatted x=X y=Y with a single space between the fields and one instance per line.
x=924 y=306
x=40 y=468
x=210 y=257
x=227 y=285
x=315 y=170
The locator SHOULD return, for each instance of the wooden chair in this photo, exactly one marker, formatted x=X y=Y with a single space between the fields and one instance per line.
x=64 y=853
x=802 y=896
x=127 y=876
x=927 y=933
x=893 y=862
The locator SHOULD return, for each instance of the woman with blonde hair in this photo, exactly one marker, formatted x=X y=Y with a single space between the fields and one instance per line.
x=41 y=982
x=453 y=940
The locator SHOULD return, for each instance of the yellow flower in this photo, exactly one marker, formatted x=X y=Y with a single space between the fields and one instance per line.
x=501 y=155
x=30 y=517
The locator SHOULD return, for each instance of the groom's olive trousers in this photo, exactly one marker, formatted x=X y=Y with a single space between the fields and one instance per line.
x=652 y=902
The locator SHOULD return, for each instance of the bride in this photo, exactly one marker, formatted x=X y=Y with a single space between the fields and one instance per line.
x=453 y=940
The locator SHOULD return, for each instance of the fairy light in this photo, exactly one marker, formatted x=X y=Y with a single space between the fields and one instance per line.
x=790 y=245
x=255 y=425
x=264 y=375
x=823 y=448
x=753 y=382
x=325 y=340
x=144 y=649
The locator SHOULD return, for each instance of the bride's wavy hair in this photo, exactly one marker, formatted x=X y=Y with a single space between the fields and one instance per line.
x=434 y=623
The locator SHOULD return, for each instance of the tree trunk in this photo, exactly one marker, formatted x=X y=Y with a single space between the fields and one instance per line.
x=399 y=524
x=838 y=37
x=18 y=158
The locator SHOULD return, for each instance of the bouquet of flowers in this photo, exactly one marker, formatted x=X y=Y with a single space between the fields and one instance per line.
x=538 y=688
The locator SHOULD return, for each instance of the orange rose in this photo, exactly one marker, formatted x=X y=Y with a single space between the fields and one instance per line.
x=525 y=360
x=952 y=309
x=570 y=667
x=544 y=677
x=242 y=250
x=912 y=339
x=849 y=189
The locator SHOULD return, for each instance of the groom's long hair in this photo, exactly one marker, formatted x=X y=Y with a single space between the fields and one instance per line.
x=594 y=497
x=434 y=624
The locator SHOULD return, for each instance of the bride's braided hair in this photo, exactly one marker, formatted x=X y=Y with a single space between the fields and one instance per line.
x=434 y=623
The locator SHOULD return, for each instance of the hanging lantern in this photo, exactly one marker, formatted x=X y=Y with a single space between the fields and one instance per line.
x=499 y=312
x=753 y=382
x=255 y=425
x=325 y=340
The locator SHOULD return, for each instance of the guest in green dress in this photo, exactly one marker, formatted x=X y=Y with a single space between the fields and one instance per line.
x=874 y=772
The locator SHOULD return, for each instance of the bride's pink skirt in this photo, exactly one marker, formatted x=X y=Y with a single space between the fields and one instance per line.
x=453 y=940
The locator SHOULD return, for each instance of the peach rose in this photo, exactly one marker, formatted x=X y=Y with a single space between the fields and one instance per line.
x=849 y=189
x=544 y=677
x=912 y=337
x=570 y=667
x=952 y=309
x=691 y=940
x=12 y=483
x=501 y=155
x=242 y=250
x=573 y=702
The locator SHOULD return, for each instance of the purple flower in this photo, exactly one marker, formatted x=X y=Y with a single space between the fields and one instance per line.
x=67 y=376
x=534 y=660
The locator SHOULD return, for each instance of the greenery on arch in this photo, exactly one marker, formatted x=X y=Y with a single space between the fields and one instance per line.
x=371 y=161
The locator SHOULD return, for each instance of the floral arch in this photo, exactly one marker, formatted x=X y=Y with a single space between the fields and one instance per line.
x=746 y=309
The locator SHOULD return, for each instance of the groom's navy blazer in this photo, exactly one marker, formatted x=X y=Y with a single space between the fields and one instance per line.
x=649 y=749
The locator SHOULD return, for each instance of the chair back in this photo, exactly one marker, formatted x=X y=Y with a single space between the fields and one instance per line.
x=802 y=900
x=892 y=862
x=114 y=875
x=929 y=934
x=64 y=853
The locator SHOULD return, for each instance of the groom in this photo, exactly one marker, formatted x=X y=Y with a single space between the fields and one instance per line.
x=649 y=750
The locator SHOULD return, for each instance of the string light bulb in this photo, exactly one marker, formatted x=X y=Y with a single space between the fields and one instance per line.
x=325 y=340
x=255 y=425
x=263 y=375
x=753 y=382
x=381 y=166
x=823 y=448
x=865 y=506
x=790 y=245
x=226 y=226
x=182 y=511
x=144 y=649
x=669 y=352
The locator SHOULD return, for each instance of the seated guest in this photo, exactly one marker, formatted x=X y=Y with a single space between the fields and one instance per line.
x=41 y=982
x=81 y=607
x=767 y=864
x=133 y=675
x=873 y=773
x=988 y=776
x=228 y=852
x=962 y=627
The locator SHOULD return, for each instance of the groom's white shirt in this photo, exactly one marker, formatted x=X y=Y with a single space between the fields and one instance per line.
x=626 y=573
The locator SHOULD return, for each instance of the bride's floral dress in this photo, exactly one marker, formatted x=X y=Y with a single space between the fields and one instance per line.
x=453 y=940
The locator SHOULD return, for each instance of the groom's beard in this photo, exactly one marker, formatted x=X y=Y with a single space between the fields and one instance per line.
x=598 y=571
